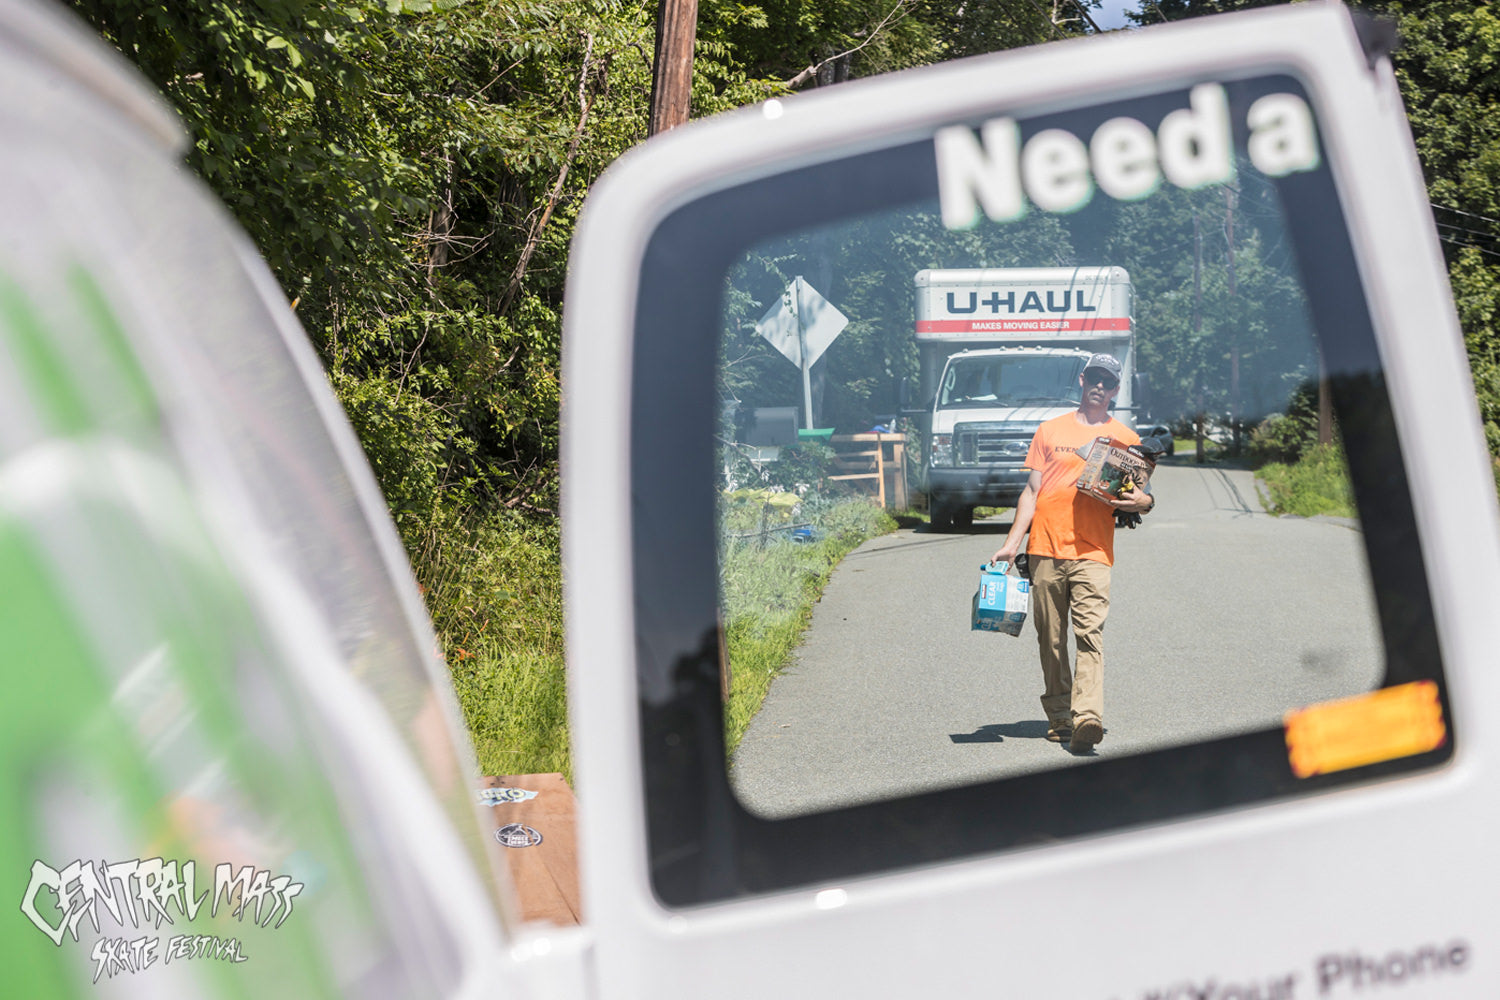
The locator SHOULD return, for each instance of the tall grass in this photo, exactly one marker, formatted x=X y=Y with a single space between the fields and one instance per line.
x=493 y=587
x=769 y=589
x=1317 y=483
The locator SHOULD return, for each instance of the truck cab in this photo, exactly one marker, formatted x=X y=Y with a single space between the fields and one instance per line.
x=988 y=405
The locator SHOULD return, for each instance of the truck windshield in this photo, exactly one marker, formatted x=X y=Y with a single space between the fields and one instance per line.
x=1011 y=381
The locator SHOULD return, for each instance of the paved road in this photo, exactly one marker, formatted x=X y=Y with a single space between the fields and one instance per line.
x=1222 y=617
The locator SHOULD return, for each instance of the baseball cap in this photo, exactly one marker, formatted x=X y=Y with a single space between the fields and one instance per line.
x=1104 y=363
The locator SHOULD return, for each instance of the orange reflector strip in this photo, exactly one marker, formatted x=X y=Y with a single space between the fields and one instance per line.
x=1393 y=722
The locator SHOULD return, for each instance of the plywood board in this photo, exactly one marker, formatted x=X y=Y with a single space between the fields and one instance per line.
x=545 y=871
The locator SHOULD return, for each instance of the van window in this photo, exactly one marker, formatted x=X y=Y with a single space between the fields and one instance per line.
x=817 y=700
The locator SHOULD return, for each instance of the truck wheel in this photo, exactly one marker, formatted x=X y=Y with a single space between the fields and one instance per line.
x=941 y=514
x=963 y=518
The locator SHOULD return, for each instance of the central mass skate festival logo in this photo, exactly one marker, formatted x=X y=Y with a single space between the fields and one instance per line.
x=144 y=894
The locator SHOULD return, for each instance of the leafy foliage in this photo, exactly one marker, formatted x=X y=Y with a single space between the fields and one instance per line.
x=1286 y=437
x=796 y=468
x=1158 y=11
x=1448 y=66
x=1226 y=330
x=412 y=171
x=1317 y=483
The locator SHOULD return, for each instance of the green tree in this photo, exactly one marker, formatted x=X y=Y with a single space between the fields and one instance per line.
x=1448 y=67
x=410 y=169
x=1158 y=11
x=867 y=268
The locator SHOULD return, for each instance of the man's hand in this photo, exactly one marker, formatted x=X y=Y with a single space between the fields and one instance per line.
x=1007 y=553
x=1135 y=501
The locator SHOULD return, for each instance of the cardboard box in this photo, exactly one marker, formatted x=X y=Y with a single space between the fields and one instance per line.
x=1112 y=467
x=1002 y=601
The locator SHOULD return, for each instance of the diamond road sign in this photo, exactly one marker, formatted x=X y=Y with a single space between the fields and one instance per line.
x=801 y=316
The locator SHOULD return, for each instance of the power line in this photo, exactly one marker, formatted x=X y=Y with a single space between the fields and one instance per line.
x=1087 y=16
x=1462 y=229
x=1471 y=246
x=1459 y=211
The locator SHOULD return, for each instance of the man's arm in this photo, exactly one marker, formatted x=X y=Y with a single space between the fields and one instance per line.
x=1025 y=508
x=1137 y=500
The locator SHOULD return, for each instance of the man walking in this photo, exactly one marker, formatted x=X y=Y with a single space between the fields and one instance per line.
x=1070 y=553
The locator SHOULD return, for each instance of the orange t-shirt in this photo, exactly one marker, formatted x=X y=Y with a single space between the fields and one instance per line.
x=1069 y=524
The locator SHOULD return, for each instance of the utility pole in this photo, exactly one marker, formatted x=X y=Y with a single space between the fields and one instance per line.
x=1198 y=331
x=1234 y=346
x=672 y=76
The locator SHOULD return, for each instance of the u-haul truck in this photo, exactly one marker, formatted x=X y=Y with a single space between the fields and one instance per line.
x=1000 y=352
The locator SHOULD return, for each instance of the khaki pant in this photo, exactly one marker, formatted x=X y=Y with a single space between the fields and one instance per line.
x=1076 y=590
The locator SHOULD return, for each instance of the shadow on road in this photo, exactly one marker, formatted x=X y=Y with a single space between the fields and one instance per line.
x=1032 y=729
x=977 y=528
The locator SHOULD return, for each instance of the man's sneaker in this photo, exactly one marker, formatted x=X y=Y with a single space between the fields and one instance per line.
x=1086 y=734
x=1059 y=732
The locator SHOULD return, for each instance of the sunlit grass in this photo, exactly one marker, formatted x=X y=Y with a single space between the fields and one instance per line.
x=1317 y=483
x=494 y=590
x=769 y=592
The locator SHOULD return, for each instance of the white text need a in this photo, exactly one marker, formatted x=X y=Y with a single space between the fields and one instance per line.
x=1192 y=148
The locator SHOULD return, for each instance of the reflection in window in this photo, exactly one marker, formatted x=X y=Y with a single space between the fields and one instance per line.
x=878 y=687
x=1011 y=380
